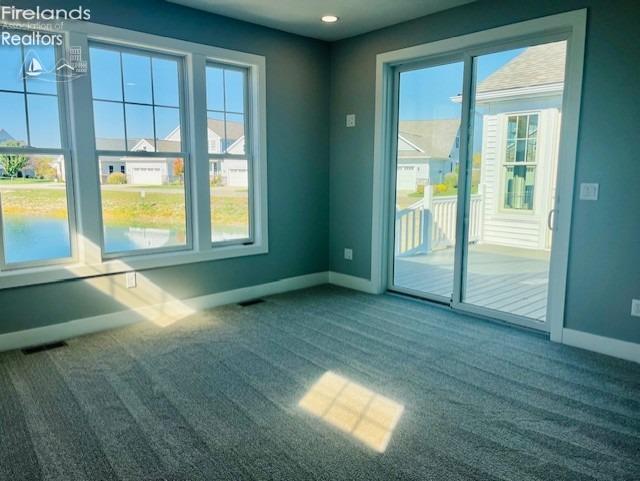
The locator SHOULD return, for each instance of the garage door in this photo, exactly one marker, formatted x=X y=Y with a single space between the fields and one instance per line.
x=145 y=175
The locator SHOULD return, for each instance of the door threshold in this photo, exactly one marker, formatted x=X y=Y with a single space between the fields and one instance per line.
x=482 y=317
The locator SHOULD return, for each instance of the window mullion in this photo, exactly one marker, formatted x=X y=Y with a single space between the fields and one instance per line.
x=86 y=180
x=199 y=160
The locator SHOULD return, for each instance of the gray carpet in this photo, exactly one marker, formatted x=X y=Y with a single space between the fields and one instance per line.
x=215 y=396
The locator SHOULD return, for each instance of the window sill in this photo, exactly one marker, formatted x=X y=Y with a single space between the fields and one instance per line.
x=56 y=273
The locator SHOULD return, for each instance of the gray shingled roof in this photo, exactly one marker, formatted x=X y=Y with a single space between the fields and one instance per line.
x=539 y=65
x=434 y=137
x=235 y=130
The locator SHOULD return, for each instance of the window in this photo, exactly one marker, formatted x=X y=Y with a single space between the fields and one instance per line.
x=34 y=194
x=520 y=161
x=230 y=163
x=152 y=187
x=138 y=118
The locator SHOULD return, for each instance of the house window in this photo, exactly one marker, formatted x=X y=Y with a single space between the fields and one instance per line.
x=230 y=161
x=36 y=215
x=111 y=169
x=138 y=115
x=520 y=161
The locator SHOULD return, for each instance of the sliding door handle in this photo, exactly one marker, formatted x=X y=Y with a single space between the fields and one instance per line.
x=551 y=218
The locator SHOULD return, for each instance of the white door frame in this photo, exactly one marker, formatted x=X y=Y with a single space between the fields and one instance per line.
x=570 y=25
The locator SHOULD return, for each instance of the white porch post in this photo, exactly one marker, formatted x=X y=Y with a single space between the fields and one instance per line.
x=427 y=215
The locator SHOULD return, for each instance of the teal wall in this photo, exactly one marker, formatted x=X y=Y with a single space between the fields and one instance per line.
x=604 y=272
x=297 y=136
x=314 y=217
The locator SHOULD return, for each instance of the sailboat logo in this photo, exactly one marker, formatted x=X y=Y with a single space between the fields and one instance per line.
x=34 y=68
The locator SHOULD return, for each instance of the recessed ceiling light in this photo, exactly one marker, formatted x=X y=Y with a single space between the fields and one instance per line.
x=329 y=19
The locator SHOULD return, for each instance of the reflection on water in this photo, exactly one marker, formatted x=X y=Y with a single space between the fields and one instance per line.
x=354 y=409
x=117 y=239
x=29 y=239
x=40 y=238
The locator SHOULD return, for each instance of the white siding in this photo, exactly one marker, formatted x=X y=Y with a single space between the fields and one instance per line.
x=506 y=226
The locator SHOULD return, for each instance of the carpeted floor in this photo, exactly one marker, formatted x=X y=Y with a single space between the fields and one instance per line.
x=218 y=396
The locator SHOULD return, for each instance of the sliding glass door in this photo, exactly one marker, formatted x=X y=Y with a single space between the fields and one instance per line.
x=475 y=181
x=426 y=178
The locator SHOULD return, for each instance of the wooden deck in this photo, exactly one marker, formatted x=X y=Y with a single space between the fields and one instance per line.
x=507 y=279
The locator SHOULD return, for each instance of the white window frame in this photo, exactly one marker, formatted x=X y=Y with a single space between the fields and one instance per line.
x=503 y=163
x=248 y=152
x=90 y=260
x=184 y=152
x=64 y=151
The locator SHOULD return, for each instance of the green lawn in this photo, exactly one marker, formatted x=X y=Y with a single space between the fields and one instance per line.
x=125 y=206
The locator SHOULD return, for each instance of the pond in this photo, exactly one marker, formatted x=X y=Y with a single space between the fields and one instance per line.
x=41 y=238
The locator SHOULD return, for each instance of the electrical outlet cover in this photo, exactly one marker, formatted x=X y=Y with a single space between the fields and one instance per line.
x=635 y=307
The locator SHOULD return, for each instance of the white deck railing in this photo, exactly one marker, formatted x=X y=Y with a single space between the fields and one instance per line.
x=415 y=224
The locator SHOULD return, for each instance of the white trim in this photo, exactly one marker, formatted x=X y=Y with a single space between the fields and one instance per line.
x=87 y=325
x=516 y=93
x=86 y=190
x=604 y=345
x=570 y=25
x=352 y=282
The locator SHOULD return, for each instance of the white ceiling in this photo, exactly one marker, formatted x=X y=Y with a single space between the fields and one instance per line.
x=303 y=16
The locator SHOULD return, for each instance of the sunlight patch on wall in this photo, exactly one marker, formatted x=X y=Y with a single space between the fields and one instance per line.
x=364 y=414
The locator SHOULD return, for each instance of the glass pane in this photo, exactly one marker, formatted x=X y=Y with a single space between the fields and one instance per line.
x=13 y=119
x=35 y=219
x=234 y=129
x=522 y=127
x=533 y=126
x=531 y=151
x=109 y=125
x=143 y=203
x=11 y=68
x=167 y=129
x=507 y=259
x=229 y=199
x=136 y=70
x=215 y=90
x=40 y=69
x=234 y=91
x=511 y=128
x=216 y=132
x=165 y=82
x=106 y=80
x=139 y=127
x=427 y=179
x=521 y=145
x=44 y=125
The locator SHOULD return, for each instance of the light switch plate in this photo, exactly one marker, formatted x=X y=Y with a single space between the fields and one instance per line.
x=351 y=120
x=635 y=307
x=348 y=254
x=588 y=191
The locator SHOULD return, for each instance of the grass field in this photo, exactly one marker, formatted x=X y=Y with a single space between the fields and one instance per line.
x=124 y=205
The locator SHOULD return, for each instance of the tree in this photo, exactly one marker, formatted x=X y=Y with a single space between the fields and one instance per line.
x=43 y=169
x=13 y=163
x=178 y=168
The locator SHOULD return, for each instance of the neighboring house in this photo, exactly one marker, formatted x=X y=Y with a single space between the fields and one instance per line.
x=520 y=105
x=160 y=170
x=427 y=150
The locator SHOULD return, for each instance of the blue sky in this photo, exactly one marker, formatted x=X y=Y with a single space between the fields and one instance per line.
x=425 y=94
x=145 y=80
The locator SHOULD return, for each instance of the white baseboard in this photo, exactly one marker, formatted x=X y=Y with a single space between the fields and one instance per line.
x=352 y=282
x=604 y=345
x=174 y=308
